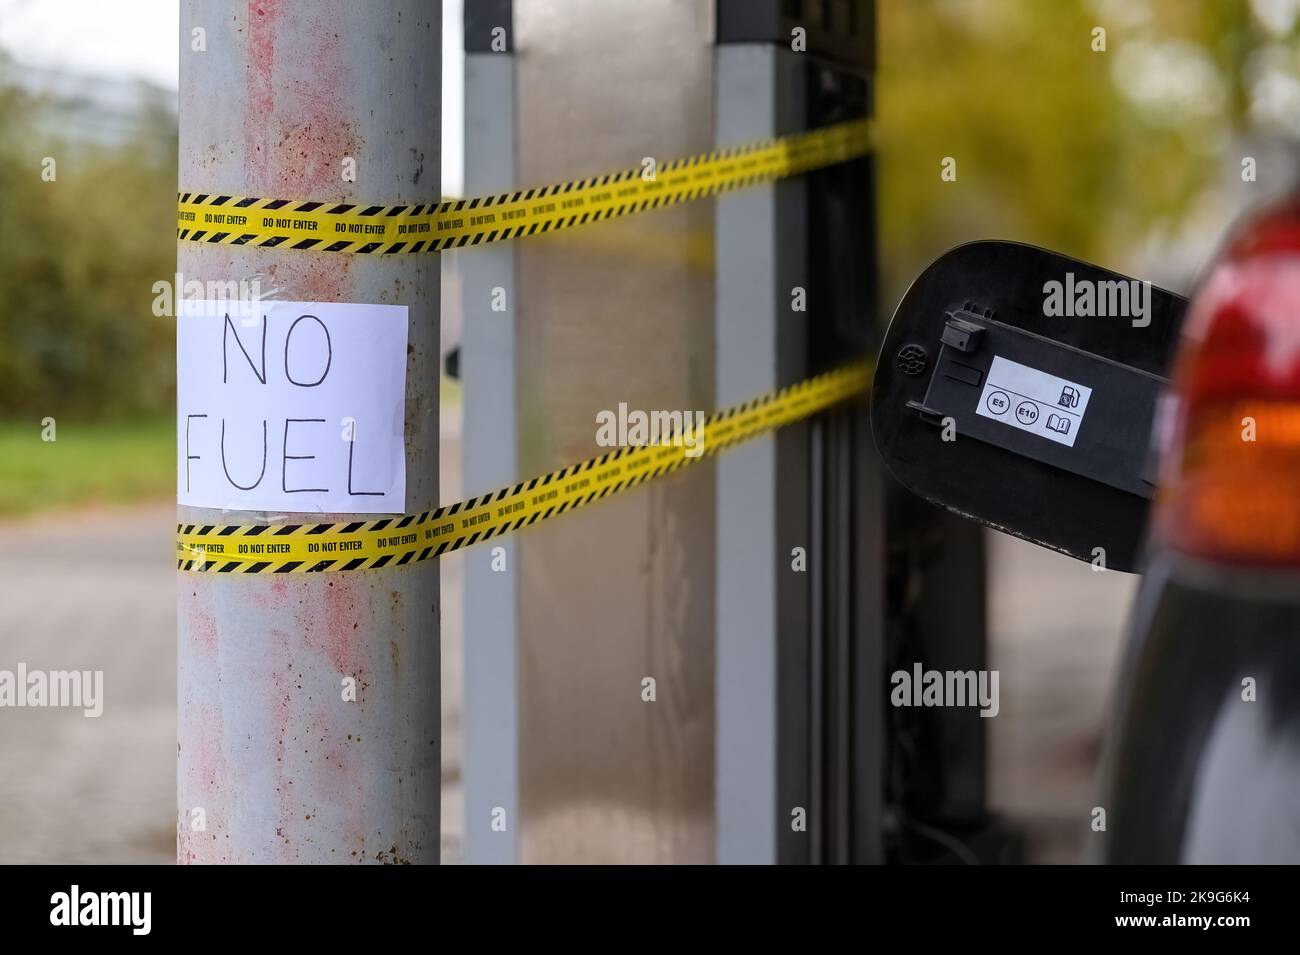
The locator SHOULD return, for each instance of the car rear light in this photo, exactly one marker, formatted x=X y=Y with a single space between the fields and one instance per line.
x=1230 y=476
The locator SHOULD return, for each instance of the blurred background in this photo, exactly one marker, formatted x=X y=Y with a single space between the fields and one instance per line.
x=1131 y=158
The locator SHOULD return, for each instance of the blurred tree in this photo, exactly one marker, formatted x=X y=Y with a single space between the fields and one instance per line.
x=78 y=259
x=1057 y=142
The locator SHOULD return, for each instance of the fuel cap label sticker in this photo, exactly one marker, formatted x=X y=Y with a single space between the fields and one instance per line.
x=1034 y=401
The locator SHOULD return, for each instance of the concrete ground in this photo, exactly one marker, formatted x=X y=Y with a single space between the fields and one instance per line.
x=81 y=790
x=1055 y=629
x=96 y=591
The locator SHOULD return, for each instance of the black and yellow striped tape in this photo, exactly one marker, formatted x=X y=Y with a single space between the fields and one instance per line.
x=313 y=548
x=432 y=227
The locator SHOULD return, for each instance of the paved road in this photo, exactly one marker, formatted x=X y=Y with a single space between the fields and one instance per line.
x=74 y=789
x=1055 y=629
x=95 y=790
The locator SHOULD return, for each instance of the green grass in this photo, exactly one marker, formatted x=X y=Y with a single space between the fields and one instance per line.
x=450 y=392
x=116 y=462
x=90 y=463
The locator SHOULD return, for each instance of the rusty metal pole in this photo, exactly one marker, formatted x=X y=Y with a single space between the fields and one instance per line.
x=273 y=764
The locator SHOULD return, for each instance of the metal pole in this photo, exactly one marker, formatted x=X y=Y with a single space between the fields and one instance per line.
x=761 y=606
x=272 y=764
x=491 y=435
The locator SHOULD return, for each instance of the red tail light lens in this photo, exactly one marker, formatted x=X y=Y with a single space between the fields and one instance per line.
x=1230 y=479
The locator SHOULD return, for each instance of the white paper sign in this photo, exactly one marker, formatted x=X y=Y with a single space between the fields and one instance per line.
x=291 y=406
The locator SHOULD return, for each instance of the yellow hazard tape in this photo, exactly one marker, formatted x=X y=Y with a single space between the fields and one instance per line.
x=312 y=548
x=432 y=227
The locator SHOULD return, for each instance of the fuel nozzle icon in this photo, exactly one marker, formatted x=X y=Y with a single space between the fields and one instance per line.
x=1069 y=398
